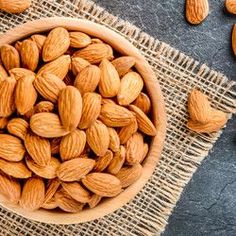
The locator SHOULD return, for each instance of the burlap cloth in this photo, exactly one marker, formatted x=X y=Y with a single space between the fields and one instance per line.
x=148 y=213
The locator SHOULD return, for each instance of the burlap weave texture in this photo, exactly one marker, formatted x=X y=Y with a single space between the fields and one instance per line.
x=148 y=213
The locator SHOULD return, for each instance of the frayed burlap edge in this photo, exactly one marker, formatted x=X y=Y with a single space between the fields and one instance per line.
x=184 y=150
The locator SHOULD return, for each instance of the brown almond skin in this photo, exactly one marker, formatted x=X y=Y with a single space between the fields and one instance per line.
x=126 y=132
x=3 y=123
x=94 y=53
x=94 y=200
x=234 y=39
x=78 y=64
x=102 y=184
x=38 y=148
x=56 y=44
x=51 y=188
x=47 y=125
x=103 y=161
x=91 y=109
x=87 y=80
x=58 y=67
x=114 y=144
x=14 y=7
x=70 y=107
x=67 y=203
x=3 y=73
x=29 y=53
x=11 y=148
x=98 y=138
x=109 y=84
x=39 y=40
x=9 y=56
x=231 y=6
x=144 y=123
x=123 y=64
x=143 y=102
x=77 y=192
x=129 y=175
x=7 y=105
x=49 y=86
x=75 y=169
x=25 y=95
x=115 y=116
x=72 y=145
x=33 y=194
x=18 y=73
x=44 y=106
x=196 y=11
x=10 y=188
x=79 y=39
x=15 y=169
x=18 y=127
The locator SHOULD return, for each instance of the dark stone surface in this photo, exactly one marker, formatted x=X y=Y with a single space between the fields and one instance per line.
x=208 y=204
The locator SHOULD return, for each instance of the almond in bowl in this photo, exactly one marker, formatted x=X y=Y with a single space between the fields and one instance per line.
x=83 y=121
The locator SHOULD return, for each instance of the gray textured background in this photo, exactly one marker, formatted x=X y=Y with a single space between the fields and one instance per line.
x=208 y=204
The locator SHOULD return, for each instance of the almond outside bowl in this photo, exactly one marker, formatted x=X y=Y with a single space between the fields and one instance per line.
x=121 y=45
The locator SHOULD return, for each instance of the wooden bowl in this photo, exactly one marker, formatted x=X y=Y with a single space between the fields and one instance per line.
x=120 y=44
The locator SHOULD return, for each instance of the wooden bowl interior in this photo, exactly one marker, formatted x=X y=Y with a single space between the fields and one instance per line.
x=121 y=45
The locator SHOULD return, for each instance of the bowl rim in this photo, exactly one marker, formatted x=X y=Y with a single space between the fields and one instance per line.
x=123 y=46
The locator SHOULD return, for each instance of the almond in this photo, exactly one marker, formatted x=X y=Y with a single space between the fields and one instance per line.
x=144 y=123
x=103 y=161
x=68 y=80
x=18 y=46
x=217 y=121
x=123 y=64
x=3 y=73
x=7 y=106
x=79 y=40
x=10 y=56
x=25 y=94
x=129 y=175
x=58 y=67
x=117 y=161
x=38 y=148
x=15 y=169
x=18 y=73
x=199 y=107
x=18 y=127
x=56 y=44
x=75 y=169
x=47 y=125
x=52 y=186
x=50 y=204
x=234 y=39
x=78 y=64
x=11 y=148
x=33 y=194
x=39 y=40
x=231 y=6
x=98 y=138
x=14 y=6
x=29 y=54
x=72 y=145
x=70 y=107
x=107 y=100
x=10 y=188
x=55 y=145
x=48 y=171
x=91 y=109
x=87 y=80
x=94 y=53
x=196 y=11
x=114 y=144
x=145 y=151
x=94 y=200
x=44 y=106
x=109 y=84
x=130 y=87
x=102 y=184
x=134 y=149
x=49 y=86
x=77 y=192
x=96 y=40
x=67 y=203
x=126 y=132
x=115 y=116
x=3 y=123
x=143 y=102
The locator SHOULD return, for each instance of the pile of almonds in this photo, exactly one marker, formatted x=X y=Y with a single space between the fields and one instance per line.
x=74 y=121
